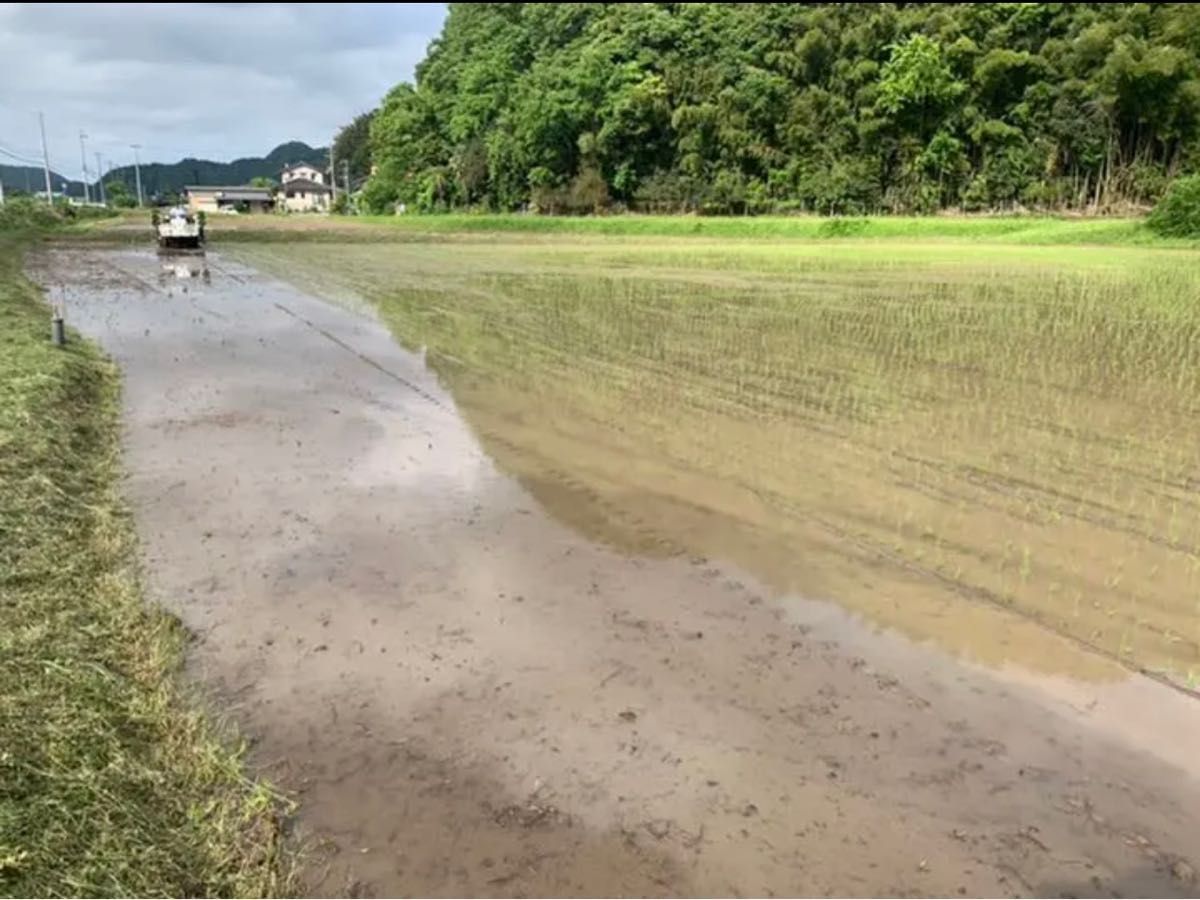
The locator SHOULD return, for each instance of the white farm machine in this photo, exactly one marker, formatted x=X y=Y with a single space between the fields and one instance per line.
x=177 y=229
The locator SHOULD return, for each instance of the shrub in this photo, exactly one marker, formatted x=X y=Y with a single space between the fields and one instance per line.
x=589 y=192
x=1177 y=214
x=379 y=195
x=668 y=192
x=839 y=226
x=25 y=212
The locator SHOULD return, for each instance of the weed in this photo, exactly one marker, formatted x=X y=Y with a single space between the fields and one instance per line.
x=111 y=783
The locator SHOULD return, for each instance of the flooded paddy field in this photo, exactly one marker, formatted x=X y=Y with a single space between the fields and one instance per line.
x=955 y=440
x=594 y=567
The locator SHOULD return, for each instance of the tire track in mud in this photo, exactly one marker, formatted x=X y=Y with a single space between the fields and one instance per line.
x=145 y=285
x=416 y=389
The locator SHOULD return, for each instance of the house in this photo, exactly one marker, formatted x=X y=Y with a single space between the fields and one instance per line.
x=303 y=189
x=232 y=198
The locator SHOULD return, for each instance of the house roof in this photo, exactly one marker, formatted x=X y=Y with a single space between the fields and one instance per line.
x=230 y=192
x=303 y=184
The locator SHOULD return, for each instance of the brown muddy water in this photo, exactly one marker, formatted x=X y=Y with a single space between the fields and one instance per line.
x=936 y=436
x=471 y=688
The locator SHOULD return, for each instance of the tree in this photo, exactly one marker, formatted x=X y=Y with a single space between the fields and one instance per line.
x=917 y=83
x=405 y=141
x=119 y=195
x=262 y=181
x=1178 y=213
x=820 y=107
x=353 y=146
x=470 y=165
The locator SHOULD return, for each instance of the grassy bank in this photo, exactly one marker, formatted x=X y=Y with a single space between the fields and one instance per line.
x=110 y=782
x=1015 y=230
x=937 y=435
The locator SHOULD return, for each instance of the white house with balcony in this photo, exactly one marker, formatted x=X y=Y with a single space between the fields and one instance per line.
x=302 y=188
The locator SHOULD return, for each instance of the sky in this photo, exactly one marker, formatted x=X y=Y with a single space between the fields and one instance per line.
x=211 y=80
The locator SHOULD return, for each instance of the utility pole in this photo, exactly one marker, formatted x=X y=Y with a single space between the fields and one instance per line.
x=346 y=177
x=137 y=170
x=1 y=191
x=100 y=180
x=332 y=178
x=83 y=159
x=45 y=159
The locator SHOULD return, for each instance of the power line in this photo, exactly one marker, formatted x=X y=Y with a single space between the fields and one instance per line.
x=21 y=153
x=19 y=156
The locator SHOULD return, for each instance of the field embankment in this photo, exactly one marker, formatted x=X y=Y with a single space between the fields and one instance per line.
x=1004 y=229
x=1032 y=230
x=111 y=783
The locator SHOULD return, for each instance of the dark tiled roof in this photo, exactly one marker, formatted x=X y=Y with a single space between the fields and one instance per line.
x=303 y=184
x=230 y=192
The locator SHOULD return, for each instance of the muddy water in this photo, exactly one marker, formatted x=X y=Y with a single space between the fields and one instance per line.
x=469 y=697
x=882 y=430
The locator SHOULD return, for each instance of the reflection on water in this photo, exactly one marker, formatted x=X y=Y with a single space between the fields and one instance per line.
x=184 y=269
x=1001 y=461
x=668 y=494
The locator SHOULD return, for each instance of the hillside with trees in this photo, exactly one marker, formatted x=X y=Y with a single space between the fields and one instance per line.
x=164 y=179
x=829 y=108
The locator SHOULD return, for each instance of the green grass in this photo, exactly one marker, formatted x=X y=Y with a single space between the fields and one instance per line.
x=996 y=230
x=111 y=782
x=955 y=439
x=1015 y=229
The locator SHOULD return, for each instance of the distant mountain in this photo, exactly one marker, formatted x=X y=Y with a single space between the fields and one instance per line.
x=161 y=178
x=31 y=179
x=170 y=178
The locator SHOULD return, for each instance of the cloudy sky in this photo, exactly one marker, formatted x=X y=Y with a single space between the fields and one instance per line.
x=213 y=80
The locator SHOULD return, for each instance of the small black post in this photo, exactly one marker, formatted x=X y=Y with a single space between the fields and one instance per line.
x=58 y=333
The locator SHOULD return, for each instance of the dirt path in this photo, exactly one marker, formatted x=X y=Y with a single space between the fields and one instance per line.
x=470 y=699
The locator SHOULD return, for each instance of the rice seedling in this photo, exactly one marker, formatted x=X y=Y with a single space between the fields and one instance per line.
x=955 y=439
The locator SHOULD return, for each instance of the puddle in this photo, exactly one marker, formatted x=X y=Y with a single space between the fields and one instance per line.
x=183 y=269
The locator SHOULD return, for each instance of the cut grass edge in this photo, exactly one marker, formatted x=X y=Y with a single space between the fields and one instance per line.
x=1002 y=229
x=1040 y=230
x=115 y=780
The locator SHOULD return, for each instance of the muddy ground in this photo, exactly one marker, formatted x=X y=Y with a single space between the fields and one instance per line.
x=469 y=698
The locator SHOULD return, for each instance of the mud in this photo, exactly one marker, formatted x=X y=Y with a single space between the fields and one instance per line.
x=739 y=406
x=469 y=698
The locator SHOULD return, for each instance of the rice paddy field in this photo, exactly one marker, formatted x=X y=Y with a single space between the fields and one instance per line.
x=993 y=446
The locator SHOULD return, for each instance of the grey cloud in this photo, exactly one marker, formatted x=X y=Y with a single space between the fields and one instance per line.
x=209 y=80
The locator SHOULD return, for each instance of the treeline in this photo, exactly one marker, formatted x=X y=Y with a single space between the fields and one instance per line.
x=824 y=107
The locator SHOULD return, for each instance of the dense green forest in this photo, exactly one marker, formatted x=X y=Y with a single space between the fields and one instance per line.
x=823 y=107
